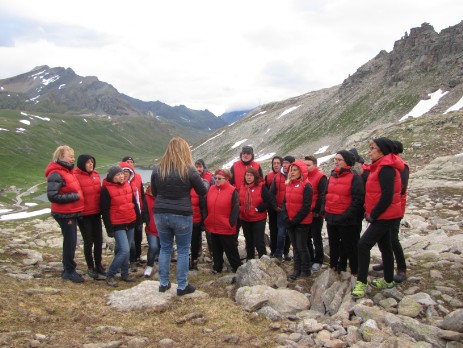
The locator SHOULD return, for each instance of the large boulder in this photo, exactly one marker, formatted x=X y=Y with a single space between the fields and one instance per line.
x=263 y=271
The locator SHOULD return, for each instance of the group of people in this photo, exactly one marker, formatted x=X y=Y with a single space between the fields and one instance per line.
x=184 y=198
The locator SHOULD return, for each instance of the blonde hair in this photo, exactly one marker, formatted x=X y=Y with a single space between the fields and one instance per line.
x=177 y=158
x=59 y=152
x=288 y=179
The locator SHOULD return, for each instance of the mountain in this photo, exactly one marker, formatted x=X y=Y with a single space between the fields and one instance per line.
x=231 y=117
x=423 y=65
x=60 y=90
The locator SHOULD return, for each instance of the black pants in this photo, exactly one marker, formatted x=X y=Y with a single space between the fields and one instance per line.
x=254 y=235
x=196 y=241
x=273 y=227
x=397 y=247
x=69 y=232
x=92 y=234
x=378 y=232
x=315 y=241
x=343 y=246
x=135 y=247
x=298 y=236
x=225 y=243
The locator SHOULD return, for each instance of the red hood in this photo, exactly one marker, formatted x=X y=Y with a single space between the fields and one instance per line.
x=302 y=167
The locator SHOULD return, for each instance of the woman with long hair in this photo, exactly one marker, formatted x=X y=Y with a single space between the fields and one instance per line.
x=171 y=182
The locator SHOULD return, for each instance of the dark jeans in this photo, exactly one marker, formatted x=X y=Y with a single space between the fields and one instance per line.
x=283 y=240
x=397 y=247
x=135 y=247
x=92 y=234
x=254 y=235
x=196 y=241
x=315 y=236
x=69 y=232
x=377 y=232
x=343 y=245
x=298 y=236
x=225 y=243
x=273 y=227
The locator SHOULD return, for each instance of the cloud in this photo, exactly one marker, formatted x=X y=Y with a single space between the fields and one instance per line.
x=207 y=54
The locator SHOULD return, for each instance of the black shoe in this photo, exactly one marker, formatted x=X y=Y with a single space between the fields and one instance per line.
x=141 y=262
x=295 y=275
x=287 y=257
x=73 y=277
x=378 y=268
x=164 y=288
x=100 y=270
x=194 y=265
x=400 y=277
x=92 y=273
x=305 y=274
x=188 y=290
x=127 y=278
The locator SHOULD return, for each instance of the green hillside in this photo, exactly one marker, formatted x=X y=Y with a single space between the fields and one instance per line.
x=25 y=154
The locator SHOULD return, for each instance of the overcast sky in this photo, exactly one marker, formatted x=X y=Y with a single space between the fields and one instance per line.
x=210 y=54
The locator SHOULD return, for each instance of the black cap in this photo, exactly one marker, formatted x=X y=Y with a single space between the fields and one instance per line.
x=399 y=147
x=358 y=158
x=386 y=145
x=112 y=171
x=347 y=156
x=289 y=158
x=247 y=149
x=128 y=158
x=82 y=159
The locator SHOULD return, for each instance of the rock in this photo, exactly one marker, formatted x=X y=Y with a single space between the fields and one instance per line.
x=270 y=313
x=367 y=313
x=311 y=325
x=418 y=331
x=320 y=285
x=111 y=344
x=166 y=342
x=454 y=321
x=409 y=307
x=263 y=271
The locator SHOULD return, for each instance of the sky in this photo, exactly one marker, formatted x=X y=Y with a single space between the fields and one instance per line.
x=217 y=55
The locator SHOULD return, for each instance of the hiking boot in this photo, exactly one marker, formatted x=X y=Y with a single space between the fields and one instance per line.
x=188 y=290
x=287 y=257
x=133 y=267
x=73 y=277
x=194 y=265
x=92 y=273
x=360 y=290
x=400 y=277
x=295 y=275
x=148 y=271
x=380 y=283
x=378 y=268
x=127 y=278
x=164 y=288
x=111 y=281
x=101 y=270
x=316 y=267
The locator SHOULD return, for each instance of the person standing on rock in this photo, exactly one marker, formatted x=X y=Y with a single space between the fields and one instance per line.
x=67 y=203
x=171 y=182
x=90 y=223
x=399 y=256
x=297 y=215
x=318 y=181
x=152 y=234
x=383 y=208
x=343 y=200
x=223 y=208
x=119 y=216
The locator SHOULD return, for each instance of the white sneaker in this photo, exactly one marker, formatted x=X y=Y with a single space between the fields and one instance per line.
x=316 y=267
x=148 y=271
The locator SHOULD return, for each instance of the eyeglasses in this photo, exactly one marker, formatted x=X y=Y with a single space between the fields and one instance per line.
x=371 y=148
x=338 y=159
x=218 y=179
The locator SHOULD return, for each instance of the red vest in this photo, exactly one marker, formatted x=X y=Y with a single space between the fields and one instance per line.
x=195 y=205
x=269 y=178
x=339 y=194
x=314 y=178
x=122 y=209
x=71 y=186
x=251 y=215
x=373 y=188
x=208 y=176
x=239 y=169
x=294 y=196
x=150 y=227
x=403 y=197
x=280 y=188
x=91 y=187
x=219 y=207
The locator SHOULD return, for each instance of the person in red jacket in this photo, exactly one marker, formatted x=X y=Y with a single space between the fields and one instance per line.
x=90 y=223
x=382 y=209
x=318 y=181
x=67 y=204
x=272 y=214
x=343 y=200
x=222 y=214
x=117 y=204
x=152 y=234
x=297 y=214
x=198 y=203
x=399 y=256
x=254 y=201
